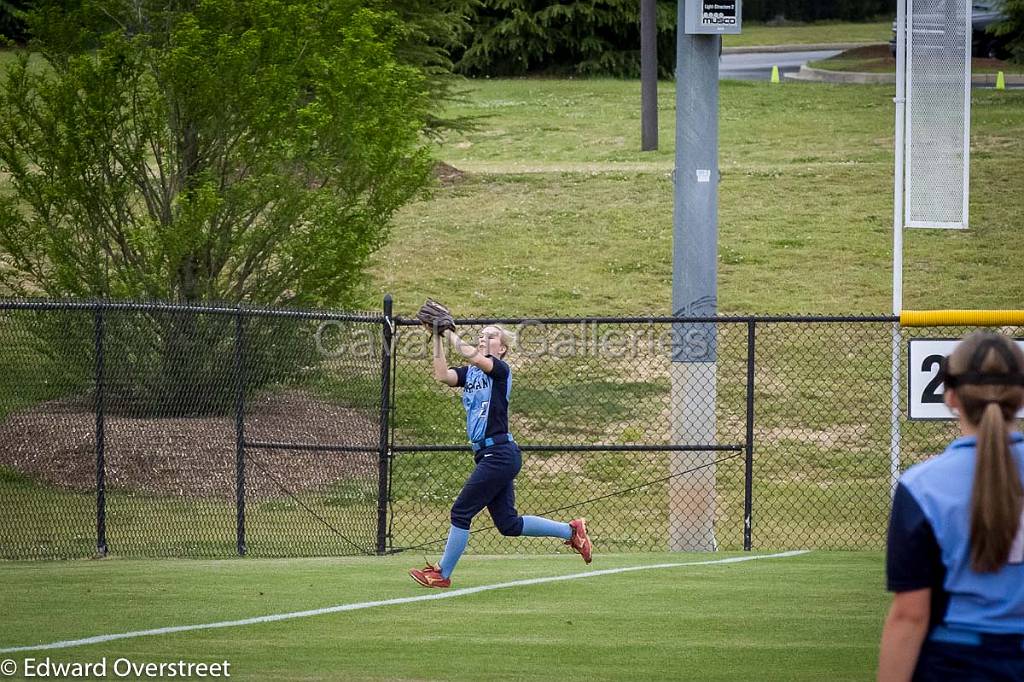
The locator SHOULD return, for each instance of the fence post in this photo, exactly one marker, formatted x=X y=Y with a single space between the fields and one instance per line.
x=240 y=433
x=101 y=485
x=383 y=455
x=748 y=485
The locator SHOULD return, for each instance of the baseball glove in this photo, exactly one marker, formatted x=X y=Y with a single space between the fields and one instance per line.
x=434 y=315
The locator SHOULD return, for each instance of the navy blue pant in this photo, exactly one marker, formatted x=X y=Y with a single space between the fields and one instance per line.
x=491 y=485
x=990 y=662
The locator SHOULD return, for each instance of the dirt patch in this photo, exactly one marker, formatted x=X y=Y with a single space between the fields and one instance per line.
x=541 y=467
x=880 y=59
x=55 y=442
x=851 y=437
x=986 y=64
x=448 y=175
x=880 y=51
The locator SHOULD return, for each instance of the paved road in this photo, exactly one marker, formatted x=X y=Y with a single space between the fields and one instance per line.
x=757 y=66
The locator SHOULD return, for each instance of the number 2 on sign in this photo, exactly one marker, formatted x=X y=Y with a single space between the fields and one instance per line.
x=931 y=391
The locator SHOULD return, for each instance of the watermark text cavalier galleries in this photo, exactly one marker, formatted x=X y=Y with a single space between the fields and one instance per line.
x=106 y=668
x=692 y=341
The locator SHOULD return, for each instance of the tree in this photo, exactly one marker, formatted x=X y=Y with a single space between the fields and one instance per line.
x=602 y=37
x=208 y=149
x=435 y=28
x=591 y=37
x=1012 y=29
x=12 y=20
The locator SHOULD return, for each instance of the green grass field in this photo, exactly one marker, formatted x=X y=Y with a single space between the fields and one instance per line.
x=803 y=34
x=811 y=617
x=560 y=214
x=577 y=221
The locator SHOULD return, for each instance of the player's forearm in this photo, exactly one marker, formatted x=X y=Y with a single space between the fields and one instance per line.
x=901 y=645
x=461 y=347
x=440 y=362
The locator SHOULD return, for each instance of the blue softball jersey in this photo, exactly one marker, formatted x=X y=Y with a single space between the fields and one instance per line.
x=485 y=397
x=929 y=545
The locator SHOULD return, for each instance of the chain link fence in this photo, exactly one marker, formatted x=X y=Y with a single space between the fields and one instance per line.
x=165 y=430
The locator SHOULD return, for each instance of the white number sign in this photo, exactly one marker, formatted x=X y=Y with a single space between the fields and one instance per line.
x=926 y=390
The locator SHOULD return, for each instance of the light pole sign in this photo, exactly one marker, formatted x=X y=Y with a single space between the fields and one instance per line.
x=713 y=16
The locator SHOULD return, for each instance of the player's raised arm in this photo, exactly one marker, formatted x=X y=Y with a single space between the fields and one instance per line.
x=475 y=355
x=438 y=321
x=442 y=372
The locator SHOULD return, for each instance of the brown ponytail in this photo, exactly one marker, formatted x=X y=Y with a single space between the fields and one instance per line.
x=997 y=497
x=986 y=371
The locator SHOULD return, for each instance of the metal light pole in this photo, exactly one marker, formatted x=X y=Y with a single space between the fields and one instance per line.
x=695 y=271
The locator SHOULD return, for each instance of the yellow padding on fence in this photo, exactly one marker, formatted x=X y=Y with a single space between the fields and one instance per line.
x=964 y=318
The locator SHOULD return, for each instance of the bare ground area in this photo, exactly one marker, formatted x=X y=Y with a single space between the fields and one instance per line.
x=55 y=442
x=448 y=175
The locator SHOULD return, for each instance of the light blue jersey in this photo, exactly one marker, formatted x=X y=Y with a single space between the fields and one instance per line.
x=485 y=397
x=929 y=544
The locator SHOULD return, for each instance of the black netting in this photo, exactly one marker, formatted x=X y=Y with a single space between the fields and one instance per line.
x=822 y=424
x=47 y=434
x=169 y=450
x=171 y=389
x=312 y=436
x=596 y=408
x=163 y=430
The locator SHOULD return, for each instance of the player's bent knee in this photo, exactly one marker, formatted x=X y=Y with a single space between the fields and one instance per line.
x=461 y=520
x=511 y=527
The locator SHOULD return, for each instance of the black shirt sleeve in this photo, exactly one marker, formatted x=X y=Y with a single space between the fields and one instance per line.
x=913 y=559
x=461 y=373
x=499 y=370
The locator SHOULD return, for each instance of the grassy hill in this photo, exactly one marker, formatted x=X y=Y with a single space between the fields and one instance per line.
x=560 y=213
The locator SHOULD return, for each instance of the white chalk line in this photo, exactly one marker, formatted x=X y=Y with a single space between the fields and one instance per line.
x=447 y=594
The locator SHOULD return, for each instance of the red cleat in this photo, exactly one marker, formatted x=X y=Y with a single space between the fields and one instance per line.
x=430 y=576
x=580 y=541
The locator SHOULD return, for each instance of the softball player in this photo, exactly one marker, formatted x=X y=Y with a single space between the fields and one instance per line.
x=486 y=385
x=956 y=535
